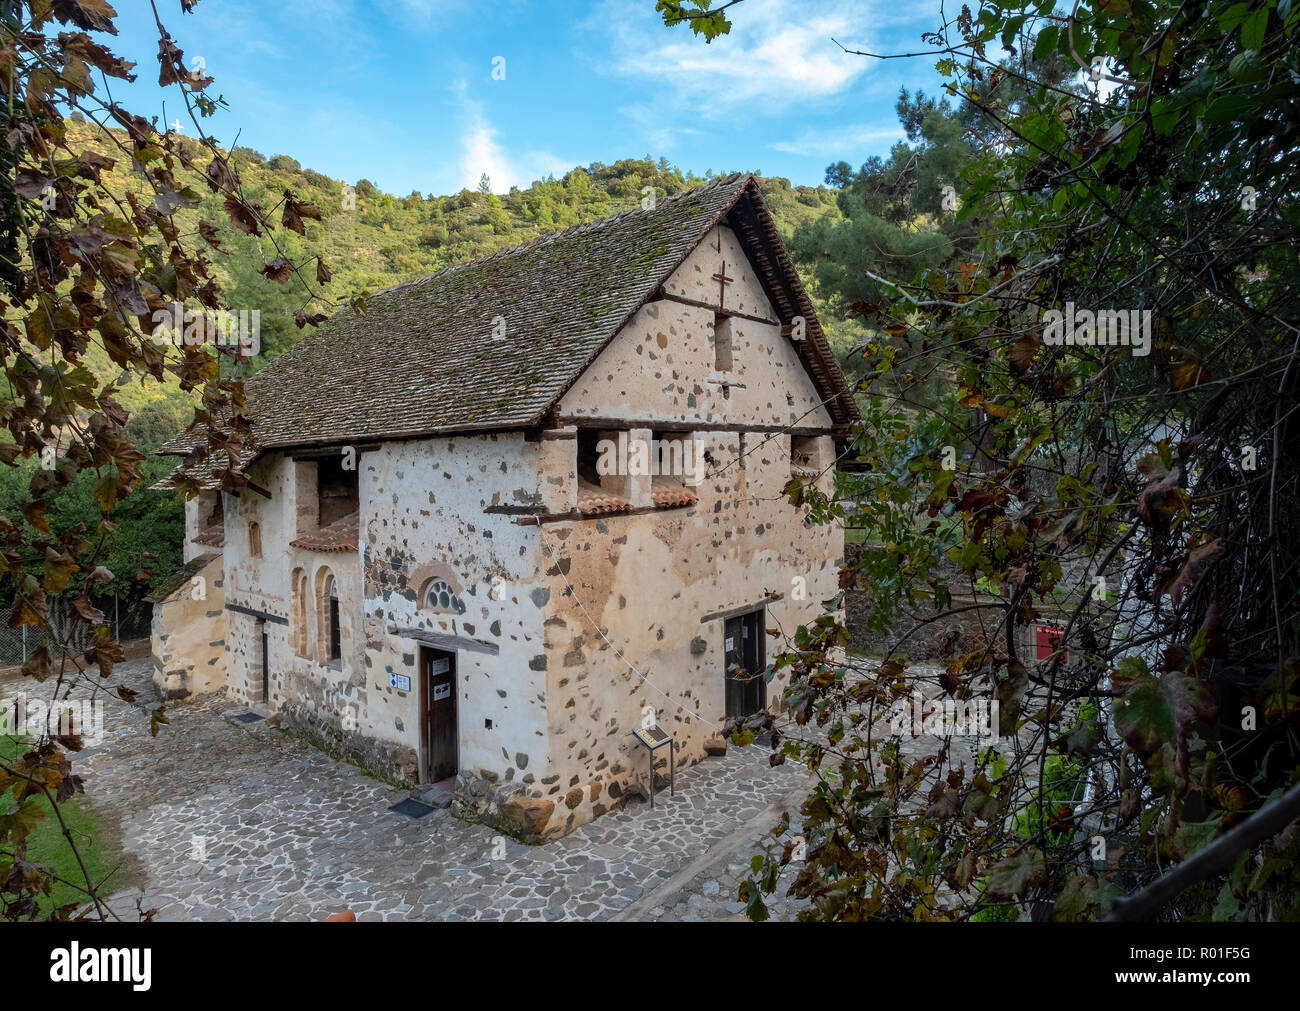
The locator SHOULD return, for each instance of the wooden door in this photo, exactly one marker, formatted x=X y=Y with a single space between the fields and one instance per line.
x=439 y=735
x=743 y=652
x=266 y=666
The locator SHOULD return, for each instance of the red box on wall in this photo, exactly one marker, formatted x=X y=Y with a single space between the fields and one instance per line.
x=1047 y=638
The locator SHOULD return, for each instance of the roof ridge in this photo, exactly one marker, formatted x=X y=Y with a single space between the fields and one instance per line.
x=582 y=226
x=337 y=385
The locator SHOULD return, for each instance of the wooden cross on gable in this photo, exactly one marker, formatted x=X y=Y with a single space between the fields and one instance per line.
x=723 y=280
x=721 y=276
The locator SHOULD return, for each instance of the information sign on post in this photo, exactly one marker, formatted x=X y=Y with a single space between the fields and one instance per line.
x=655 y=737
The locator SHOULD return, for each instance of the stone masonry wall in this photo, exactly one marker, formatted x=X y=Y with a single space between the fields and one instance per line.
x=545 y=705
x=188 y=635
x=424 y=518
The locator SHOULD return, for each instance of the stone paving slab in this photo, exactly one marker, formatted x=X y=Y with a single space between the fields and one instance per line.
x=245 y=822
x=233 y=821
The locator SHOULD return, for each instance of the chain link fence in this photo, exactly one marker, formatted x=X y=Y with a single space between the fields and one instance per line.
x=126 y=618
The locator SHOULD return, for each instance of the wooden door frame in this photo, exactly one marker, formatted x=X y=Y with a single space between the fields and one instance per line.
x=760 y=651
x=421 y=654
x=264 y=635
x=423 y=660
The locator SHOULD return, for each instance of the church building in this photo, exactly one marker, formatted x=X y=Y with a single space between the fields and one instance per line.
x=524 y=506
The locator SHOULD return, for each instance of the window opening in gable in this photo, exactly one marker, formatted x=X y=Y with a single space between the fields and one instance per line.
x=721 y=343
x=804 y=456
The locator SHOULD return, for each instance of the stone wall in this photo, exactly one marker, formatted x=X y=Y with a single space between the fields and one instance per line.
x=425 y=517
x=646 y=582
x=640 y=585
x=188 y=635
x=390 y=761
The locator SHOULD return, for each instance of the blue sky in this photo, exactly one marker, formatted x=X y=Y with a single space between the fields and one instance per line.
x=402 y=92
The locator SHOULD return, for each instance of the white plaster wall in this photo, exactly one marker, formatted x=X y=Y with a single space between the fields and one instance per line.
x=424 y=517
x=196 y=509
x=189 y=549
x=264 y=584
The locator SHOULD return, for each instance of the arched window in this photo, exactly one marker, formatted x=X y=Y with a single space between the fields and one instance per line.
x=255 y=539
x=301 y=634
x=336 y=637
x=329 y=635
x=439 y=596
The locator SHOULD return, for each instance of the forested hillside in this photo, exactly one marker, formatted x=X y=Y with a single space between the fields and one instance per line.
x=369 y=239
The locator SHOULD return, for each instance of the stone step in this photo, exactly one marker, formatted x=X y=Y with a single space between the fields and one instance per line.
x=434 y=794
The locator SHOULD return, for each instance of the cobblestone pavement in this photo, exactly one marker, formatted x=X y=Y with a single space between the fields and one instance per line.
x=245 y=822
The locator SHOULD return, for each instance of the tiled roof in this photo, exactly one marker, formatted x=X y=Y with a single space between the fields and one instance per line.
x=213 y=536
x=341 y=535
x=205 y=473
x=164 y=588
x=671 y=493
x=423 y=360
x=665 y=494
x=592 y=500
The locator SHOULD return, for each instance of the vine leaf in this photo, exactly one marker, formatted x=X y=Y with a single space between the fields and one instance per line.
x=1155 y=713
x=1194 y=563
x=1013 y=876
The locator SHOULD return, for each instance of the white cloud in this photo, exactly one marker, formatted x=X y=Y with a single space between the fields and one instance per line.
x=542 y=164
x=482 y=152
x=836 y=140
x=769 y=57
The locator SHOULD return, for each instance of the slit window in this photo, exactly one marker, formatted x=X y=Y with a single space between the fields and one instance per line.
x=336 y=635
x=329 y=634
x=804 y=459
x=721 y=343
x=301 y=637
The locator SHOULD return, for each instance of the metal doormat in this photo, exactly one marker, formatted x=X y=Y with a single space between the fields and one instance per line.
x=411 y=808
x=247 y=718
